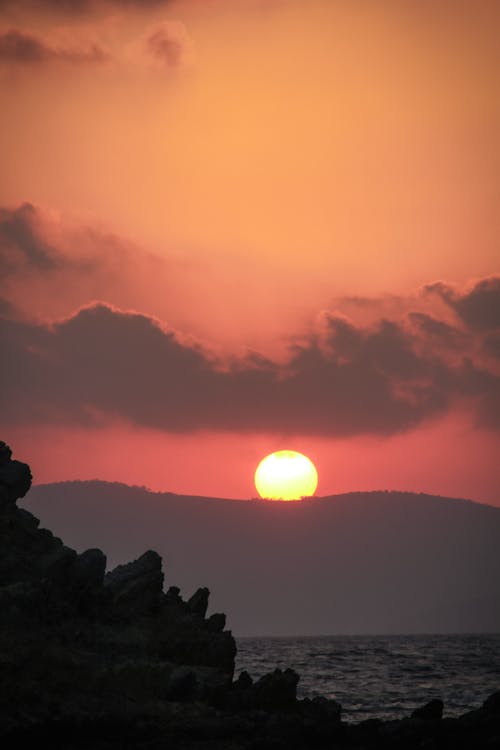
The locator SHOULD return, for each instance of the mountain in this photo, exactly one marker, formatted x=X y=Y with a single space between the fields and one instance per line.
x=376 y=562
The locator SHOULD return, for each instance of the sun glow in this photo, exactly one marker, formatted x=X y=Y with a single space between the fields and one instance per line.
x=286 y=475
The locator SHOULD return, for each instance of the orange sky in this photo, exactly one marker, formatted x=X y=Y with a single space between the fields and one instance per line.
x=237 y=168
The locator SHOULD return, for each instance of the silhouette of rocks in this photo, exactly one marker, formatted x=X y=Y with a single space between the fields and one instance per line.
x=15 y=477
x=216 y=622
x=432 y=711
x=276 y=691
x=492 y=704
x=137 y=587
x=70 y=632
x=89 y=660
x=90 y=567
x=198 y=604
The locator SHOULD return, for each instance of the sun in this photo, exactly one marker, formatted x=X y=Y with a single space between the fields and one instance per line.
x=286 y=475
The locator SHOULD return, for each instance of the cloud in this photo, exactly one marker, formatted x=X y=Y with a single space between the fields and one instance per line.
x=103 y=364
x=22 y=246
x=169 y=45
x=381 y=375
x=491 y=344
x=30 y=247
x=438 y=331
x=7 y=310
x=479 y=308
x=50 y=266
x=26 y=48
x=80 y=6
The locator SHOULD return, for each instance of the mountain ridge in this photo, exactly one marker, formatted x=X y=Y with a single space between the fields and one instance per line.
x=261 y=501
x=378 y=562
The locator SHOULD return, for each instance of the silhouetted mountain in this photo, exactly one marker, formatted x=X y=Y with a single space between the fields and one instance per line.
x=376 y=562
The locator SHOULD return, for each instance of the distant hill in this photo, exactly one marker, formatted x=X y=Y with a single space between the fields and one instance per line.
x=375 y=562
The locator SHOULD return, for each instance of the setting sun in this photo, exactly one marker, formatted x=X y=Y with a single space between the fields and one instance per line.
x=286 y=475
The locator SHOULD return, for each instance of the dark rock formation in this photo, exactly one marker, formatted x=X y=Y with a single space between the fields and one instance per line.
x=89 y=660
x=432 y=711
x=15 y=477
x=137 y=587
x=69 y=633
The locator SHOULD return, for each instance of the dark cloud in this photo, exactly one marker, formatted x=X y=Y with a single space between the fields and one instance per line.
x=479 y=308
x=103 y=364
x=491 y=344
x=438 y=330
x=23 y=47
x=385 y=348
x=7 y=310
x=379 y=377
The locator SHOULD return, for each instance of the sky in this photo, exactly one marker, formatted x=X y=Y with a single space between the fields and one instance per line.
x=229 y=228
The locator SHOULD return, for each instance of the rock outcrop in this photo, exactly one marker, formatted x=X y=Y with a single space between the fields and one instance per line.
x=70 y=633
x=96 y=660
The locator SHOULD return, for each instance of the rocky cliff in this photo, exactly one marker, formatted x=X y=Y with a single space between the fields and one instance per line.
x=90 y=659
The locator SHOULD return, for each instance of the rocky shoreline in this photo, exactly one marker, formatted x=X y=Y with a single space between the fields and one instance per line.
x=90 y=659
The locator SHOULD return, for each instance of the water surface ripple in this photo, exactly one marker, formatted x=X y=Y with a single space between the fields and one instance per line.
x=383 y=676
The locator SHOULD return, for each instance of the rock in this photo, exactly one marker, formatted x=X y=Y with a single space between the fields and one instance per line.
x=321 y=709
x=173 y=593
x=136 y=587
x=56 y=562
x=198 y=604
x=277 y=690
x=216 y=622
x=89 y=568
x=184 y=638
x=432 y=711
x=79 y=644
x=89 y=660
x=182 y=685
x=492 y=703
x=5 y=453
x=15 y=477
x=195 y=684
x=244 y=681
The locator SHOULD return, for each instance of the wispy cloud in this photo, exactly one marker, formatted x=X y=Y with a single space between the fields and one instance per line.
x=27 y=48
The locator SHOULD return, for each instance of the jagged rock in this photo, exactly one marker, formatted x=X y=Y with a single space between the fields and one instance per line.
x=276 y=691
x=173 y=593
x=244 y=681
x=185 y=639
x=93 y=663
x=5 y=453
x=56 y=562
x=182 y=685
x=77 y=644
x=492 y=703
x=216 y=622
x=137 y=586
x=321 y=709
x=15 y=477
x=198 y=604
x=89 y=567
x=432 y=711
x=29 y=553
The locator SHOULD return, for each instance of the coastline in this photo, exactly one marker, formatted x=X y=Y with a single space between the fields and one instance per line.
x=110 y=660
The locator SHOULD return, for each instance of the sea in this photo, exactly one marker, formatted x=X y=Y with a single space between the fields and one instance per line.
x=384 y=676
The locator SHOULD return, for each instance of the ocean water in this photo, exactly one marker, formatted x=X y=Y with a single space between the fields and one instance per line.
x=383 y=676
